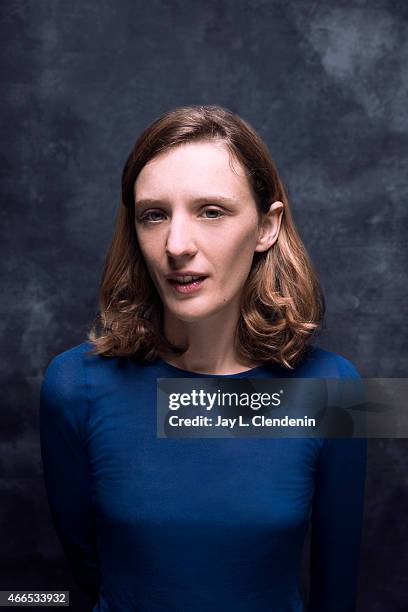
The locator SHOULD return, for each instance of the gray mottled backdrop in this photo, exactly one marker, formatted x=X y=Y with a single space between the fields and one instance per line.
x=325 y=84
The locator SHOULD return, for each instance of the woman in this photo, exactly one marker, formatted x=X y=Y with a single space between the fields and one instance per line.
x=206 y=276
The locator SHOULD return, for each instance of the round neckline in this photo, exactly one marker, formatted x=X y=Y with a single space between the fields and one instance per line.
x=190 y=373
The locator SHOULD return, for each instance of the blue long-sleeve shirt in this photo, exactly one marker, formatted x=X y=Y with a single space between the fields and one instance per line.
x=188 y=525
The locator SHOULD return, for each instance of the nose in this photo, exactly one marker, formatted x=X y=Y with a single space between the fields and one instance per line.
x=180 y=240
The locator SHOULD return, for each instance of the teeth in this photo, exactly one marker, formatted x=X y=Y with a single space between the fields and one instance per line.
x=186 y=279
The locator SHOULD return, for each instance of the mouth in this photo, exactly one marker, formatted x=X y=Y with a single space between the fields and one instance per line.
x=188 y=285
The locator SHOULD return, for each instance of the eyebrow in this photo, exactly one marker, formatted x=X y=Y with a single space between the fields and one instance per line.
x=201 y=200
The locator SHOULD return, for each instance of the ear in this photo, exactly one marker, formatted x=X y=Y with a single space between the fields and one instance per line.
x=270 y=226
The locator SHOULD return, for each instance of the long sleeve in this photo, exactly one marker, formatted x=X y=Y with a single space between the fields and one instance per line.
x=337 y=519
x=63 y=419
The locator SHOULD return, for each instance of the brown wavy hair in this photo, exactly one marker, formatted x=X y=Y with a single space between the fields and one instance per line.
x=282 y=304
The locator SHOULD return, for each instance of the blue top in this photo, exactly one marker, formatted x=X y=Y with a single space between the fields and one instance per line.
x=151 y=524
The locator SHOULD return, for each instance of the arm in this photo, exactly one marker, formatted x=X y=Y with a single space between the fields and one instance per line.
x=337 y=518
x=63 y=419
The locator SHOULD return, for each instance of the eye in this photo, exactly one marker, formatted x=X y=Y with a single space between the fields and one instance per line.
x=218 y=212
x=148 y=216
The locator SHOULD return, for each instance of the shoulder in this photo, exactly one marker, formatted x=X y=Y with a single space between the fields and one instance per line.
x=65 y=371
x=77 y=375
x=63 y=394
x=71 y=382
x=71 y=366
x=63 y=405
x=319 y=363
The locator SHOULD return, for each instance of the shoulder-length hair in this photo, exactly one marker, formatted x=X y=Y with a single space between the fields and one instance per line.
x=282 y=304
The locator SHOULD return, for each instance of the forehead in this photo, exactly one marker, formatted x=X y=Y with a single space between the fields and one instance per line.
x=193 y=169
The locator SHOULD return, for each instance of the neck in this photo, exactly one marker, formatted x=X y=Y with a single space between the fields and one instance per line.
x=211 y=347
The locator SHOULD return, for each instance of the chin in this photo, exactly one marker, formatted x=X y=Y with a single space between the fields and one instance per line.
x=190 y=314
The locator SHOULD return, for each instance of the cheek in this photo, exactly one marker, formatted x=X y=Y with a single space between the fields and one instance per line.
x=148 y=248
x=151 y=258
x=237 y=251
x=234 y=263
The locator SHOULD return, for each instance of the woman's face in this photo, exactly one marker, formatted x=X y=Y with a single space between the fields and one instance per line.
x=196 y=216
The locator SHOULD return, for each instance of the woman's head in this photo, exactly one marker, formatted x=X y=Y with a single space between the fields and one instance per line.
x=195 y=215
x=201 y=193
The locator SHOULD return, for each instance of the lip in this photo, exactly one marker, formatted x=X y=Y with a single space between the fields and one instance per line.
x=185 y=273
x=188 y=288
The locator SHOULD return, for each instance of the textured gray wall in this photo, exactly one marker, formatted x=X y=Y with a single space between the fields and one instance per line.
x=325 y=84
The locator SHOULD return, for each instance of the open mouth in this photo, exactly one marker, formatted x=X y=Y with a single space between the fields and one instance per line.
x=188 y=285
